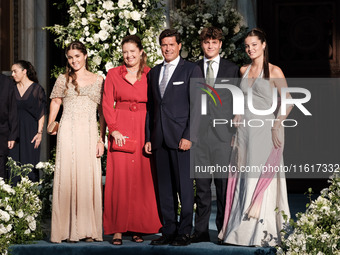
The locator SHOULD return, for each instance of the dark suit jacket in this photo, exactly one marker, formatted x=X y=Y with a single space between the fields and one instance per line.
x=169 y=117
x=226 y=71
x=9 y=130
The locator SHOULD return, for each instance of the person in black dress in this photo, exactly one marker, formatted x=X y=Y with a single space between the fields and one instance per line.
x=31 y=103
x=8 y=121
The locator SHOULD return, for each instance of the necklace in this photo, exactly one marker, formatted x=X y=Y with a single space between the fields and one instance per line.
x=133 y=72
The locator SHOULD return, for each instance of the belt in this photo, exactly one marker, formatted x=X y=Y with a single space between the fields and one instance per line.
x=131 y=106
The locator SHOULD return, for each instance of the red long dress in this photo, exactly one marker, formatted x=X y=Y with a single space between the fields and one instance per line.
x=129 y=202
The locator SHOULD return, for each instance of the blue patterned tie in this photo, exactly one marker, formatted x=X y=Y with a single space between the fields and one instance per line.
x=164 y=81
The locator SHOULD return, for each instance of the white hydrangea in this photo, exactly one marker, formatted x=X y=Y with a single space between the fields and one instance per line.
x=108 y=5
x=124 y=3
x=135 y=15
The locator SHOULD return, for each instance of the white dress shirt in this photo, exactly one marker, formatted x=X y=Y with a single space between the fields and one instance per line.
x=172 y=67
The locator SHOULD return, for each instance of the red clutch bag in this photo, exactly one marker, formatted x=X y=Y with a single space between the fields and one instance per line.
x=129 y=146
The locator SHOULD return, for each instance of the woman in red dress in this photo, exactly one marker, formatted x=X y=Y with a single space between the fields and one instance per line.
x=130 y=203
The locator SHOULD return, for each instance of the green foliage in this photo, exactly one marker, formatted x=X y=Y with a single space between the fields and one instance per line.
x=191 y=20
x=20 y=208
x=317 y=231
x=101 y=26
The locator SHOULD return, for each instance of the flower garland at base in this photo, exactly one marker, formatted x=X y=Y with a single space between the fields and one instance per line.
x=19 y=208
x=317 y=231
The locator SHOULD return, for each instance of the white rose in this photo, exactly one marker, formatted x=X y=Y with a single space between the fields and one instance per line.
x=123 y=3
x=127 y=14
x=9 y=228
x=95 y=38
x=29 y=218
x=106 y=46
x=97 y=60
x=20 y=214
x=8 y=208
x=4 y=216
x=103 y=35
x=133 y=31
x=108 y=66
x=8 y=189
x=40 y=165
x=135 y=15
x=32 y=225
x=108 y=5
x=27 y=231
x=3 y=230
x=84 y=21
x=103 y=24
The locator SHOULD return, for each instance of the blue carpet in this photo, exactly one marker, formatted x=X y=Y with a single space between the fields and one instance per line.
x=297 y=203
x=131 y=248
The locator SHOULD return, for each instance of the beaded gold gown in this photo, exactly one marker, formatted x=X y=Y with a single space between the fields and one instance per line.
x=77 y=193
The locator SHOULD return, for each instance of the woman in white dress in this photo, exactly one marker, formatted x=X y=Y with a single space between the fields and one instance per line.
x=255 y=198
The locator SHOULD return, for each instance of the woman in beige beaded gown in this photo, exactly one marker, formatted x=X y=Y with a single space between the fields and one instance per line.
x=77 y=194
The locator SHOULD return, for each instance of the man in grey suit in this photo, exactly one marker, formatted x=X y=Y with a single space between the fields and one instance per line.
x=214 y=145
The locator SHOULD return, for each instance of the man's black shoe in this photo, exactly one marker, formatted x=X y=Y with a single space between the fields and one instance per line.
x=197 y=237
x=181 y=240
x=163 y=240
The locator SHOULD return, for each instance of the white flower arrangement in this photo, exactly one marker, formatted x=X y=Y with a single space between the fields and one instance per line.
x=191 y=20
x=20 y=208
x=317 y=231
x=101 y=26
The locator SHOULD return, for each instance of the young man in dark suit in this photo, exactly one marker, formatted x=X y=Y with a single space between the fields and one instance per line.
x=169 y=139
x=214 y=145
x=8 y=121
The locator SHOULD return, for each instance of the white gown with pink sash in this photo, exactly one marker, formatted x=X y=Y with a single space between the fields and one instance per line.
x=255 y=197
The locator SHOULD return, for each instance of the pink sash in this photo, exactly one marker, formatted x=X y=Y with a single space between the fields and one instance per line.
x=265 y=179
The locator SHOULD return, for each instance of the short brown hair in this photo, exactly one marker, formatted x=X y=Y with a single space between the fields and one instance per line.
x=170 y=33
x=211 y=33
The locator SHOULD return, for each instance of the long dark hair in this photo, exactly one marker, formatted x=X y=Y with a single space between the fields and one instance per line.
x=136 y=40
x=30 y=70
x=262 y=37
x=76 y=45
